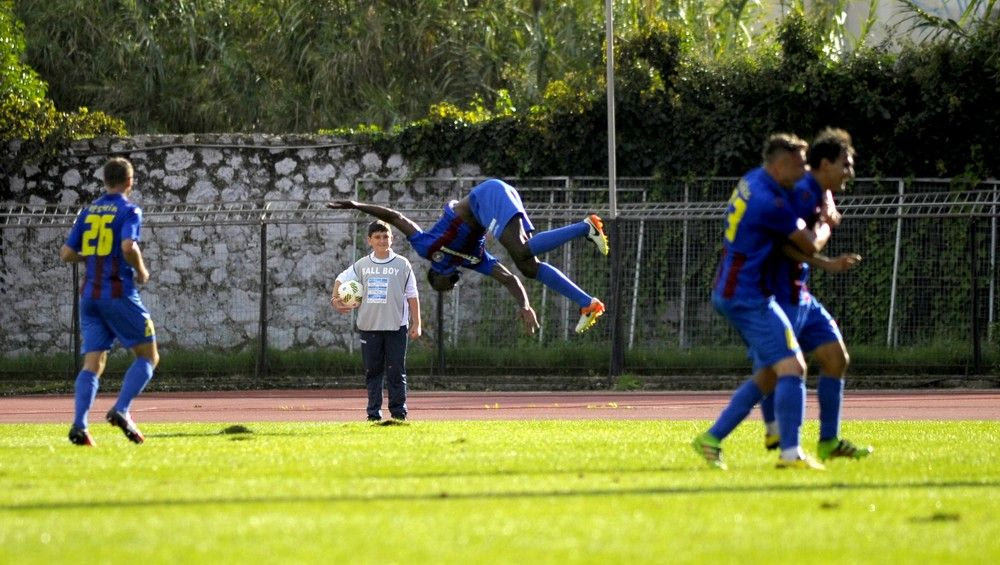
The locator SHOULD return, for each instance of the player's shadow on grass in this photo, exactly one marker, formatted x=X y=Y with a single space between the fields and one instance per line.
x=235 y=432
x=512 y=495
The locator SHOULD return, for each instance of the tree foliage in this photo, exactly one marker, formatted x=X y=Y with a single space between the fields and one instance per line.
x=518 y=86
x=929 y=110
x=25 y=112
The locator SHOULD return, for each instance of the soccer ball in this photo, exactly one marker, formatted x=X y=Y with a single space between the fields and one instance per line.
x=350 y=293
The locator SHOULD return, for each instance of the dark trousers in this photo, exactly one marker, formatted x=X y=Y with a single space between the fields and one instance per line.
x=384 y=357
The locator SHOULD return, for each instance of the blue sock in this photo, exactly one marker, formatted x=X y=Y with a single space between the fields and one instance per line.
x=136 y=378
x=790 y=408
x=767 y=408
x=548 y=240
x=557 y=281
x=831 y=395
x=85 y=393
x=740 y=405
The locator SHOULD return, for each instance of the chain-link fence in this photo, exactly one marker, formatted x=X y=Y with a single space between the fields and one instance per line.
x=243 y=288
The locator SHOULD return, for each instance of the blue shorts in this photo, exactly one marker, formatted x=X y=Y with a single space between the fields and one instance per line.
x=104 y=319
x=494 y=204
x=814 y=326
x=764 y=327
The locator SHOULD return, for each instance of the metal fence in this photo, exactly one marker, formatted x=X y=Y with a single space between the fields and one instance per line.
x=249 y=278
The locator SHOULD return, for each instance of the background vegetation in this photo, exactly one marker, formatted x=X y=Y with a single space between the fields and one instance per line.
x=518 y=86
x=25 y=111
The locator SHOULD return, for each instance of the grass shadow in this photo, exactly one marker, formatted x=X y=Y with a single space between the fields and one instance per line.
x=445 y=495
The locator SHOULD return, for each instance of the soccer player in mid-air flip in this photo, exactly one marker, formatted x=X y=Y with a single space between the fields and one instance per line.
x=458 y=239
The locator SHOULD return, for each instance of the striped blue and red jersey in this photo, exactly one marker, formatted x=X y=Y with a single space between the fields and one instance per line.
x=758 y=220
x=452 y=243
x=97 y=235
x=790 y=277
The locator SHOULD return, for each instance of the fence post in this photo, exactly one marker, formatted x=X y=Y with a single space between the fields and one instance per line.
x=895 y=268
x=567 y=268
x=439 y=330
x=635 y=279
x=974 y=297
x=617 y=341
x=262 y=321
x=682 y=315
x=545 y=289
x=354 y=257
x=993 y=263
x=75 y=324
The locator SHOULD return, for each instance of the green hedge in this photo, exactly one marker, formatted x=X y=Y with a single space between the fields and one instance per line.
x=929 y=110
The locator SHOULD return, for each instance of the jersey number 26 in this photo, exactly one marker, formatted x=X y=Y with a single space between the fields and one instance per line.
x=99 y=230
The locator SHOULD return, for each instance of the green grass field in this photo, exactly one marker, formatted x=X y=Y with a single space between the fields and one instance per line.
x=488 y=492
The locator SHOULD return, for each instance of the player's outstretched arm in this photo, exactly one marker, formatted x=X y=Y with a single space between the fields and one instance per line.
x=513 y=285
x=392 y=217
x=838 y=264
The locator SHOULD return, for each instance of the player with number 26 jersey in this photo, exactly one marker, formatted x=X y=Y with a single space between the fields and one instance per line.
x=105 y=238
x=97 y=235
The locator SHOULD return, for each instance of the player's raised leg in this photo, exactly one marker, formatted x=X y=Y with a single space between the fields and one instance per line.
x=592 y=227
x=516 y=241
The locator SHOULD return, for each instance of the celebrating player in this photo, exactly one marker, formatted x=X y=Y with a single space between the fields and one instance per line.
x=105 y=238
x=831 y=161
x=759 y=220
x=458 y=239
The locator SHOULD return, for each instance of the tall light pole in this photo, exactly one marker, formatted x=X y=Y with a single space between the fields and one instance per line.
x=617 y=364
x=609 y=55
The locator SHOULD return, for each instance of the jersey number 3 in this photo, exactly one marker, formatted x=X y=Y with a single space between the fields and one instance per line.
x=99 y=231
x=733 y=218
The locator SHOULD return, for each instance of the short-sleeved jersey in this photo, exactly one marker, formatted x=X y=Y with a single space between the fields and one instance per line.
x=97 y=235
x=789 y=276
x=452 y=243
x=758 y=219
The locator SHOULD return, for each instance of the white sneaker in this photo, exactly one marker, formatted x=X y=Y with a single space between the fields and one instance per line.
x=596 y=234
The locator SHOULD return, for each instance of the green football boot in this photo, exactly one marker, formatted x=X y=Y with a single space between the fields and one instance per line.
x=710 y=449
x=836 y=447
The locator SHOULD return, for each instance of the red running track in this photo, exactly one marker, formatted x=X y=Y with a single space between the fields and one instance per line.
x=349 y=405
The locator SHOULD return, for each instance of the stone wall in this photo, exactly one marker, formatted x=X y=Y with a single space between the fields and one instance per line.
x=205 y=288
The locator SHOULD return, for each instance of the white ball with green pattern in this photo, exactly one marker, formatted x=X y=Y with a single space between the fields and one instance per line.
x=350 y=293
